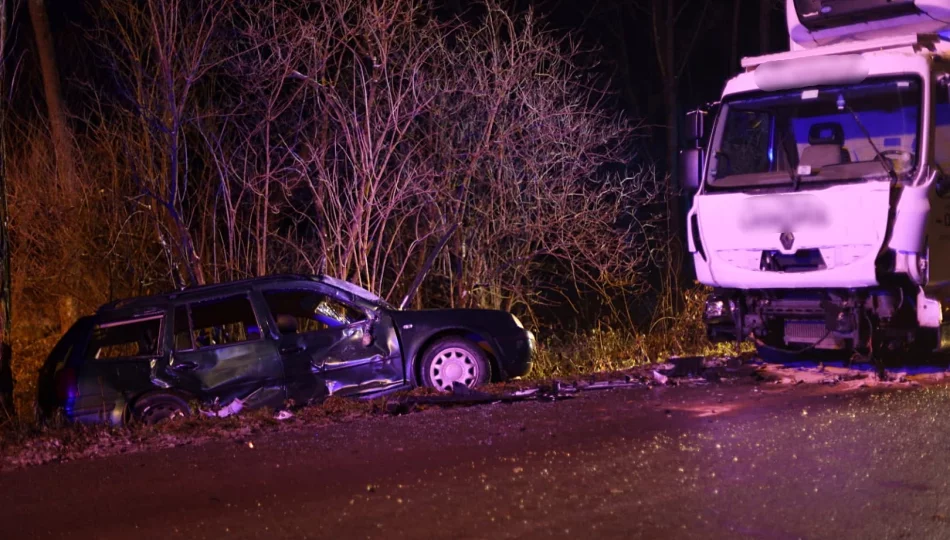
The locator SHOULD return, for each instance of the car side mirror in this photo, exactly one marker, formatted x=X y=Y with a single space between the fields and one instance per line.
x=691 y=168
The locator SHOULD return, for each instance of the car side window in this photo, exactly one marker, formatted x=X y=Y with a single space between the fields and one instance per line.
x=125 y=339
x=212 y=323
x=304 y=311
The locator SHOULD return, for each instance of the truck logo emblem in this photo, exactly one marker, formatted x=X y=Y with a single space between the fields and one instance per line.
x=787 y=239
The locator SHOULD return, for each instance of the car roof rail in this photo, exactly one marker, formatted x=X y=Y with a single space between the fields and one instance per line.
x=151 y=299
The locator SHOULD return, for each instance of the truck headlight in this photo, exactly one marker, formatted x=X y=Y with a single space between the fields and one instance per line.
x=718 y=308
x=715 y=308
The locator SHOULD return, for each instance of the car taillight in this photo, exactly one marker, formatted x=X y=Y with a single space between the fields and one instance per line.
x=66 y=387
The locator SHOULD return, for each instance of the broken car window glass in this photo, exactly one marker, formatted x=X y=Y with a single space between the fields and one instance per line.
x=125 y=339
x=222 y=322
x=299 y=312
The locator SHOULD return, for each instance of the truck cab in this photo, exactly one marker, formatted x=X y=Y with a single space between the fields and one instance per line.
x=821 y=216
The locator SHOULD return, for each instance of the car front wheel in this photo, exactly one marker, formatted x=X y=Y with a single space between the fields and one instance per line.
x=455 y=360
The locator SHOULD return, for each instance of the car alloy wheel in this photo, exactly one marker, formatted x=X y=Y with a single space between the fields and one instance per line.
x=452 y=365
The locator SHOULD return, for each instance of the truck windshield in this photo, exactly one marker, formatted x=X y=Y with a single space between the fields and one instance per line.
x=808 y=137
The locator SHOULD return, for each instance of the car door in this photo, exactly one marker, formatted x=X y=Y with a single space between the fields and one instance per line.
x=328 y=344
x=117 y=365
x=221 y=353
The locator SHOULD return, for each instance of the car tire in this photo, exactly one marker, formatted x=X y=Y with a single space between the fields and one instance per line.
x=454 y=359
x=155 y=408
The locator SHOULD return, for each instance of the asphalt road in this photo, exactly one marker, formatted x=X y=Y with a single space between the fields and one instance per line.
x=730 y=460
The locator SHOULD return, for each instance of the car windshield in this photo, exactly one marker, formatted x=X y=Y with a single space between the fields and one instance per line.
x=799 y=138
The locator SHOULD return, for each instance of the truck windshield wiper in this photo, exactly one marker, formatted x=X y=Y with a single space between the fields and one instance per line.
x=886 y=163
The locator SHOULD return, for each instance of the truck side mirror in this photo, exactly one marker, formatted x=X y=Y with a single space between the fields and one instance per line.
x=691 y=168
x=695 y=128
x=690 y=163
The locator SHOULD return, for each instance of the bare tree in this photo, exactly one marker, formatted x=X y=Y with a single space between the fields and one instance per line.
x=531 y=142
x=62 y=142
x=59 y=128
x=369 y=135
x=6 y=348
x=159 y=52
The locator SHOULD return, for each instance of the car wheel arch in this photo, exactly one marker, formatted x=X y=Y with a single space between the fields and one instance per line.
x=133 y=403
x=476 y=337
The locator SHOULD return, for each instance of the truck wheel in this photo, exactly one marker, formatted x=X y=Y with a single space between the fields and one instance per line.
x=155 y=408
x=453 y=360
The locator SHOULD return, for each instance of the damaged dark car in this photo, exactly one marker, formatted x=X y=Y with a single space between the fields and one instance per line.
x=276 y=341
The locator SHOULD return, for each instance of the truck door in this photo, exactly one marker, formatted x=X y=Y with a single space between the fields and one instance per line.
x=938 y=222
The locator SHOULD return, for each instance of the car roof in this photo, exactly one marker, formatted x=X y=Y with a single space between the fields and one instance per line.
x=140 y=303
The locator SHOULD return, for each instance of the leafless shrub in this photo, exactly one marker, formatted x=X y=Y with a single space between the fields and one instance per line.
x=364 y=132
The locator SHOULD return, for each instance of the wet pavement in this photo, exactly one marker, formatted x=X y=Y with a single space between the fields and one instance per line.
x=734 y=459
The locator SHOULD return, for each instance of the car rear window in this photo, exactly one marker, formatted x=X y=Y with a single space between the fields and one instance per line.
x=125 y=339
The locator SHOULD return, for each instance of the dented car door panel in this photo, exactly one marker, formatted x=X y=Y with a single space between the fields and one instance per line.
x=221 y=352
x=328 y=344
x=366 y=359
x=118 y=361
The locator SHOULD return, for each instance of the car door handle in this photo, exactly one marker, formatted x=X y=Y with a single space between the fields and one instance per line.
x=184 y=366
x=292 y=349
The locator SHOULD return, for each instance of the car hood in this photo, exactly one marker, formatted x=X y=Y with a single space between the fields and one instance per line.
x=489 y=319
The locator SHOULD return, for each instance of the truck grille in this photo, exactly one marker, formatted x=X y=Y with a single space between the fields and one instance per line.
x=830 y=257
x=805 y=331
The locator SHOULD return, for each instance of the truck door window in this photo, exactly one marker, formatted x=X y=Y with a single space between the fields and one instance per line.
x=125 y=339
x=303 y=311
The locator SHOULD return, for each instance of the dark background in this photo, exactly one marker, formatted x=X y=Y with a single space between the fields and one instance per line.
x=709 y=41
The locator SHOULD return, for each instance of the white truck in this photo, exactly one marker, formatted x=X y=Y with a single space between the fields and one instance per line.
x=821 y=208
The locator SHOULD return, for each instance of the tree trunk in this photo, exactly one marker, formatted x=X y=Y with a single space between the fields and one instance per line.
x=670 y=94
x=6 y=349
x=59 y=130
